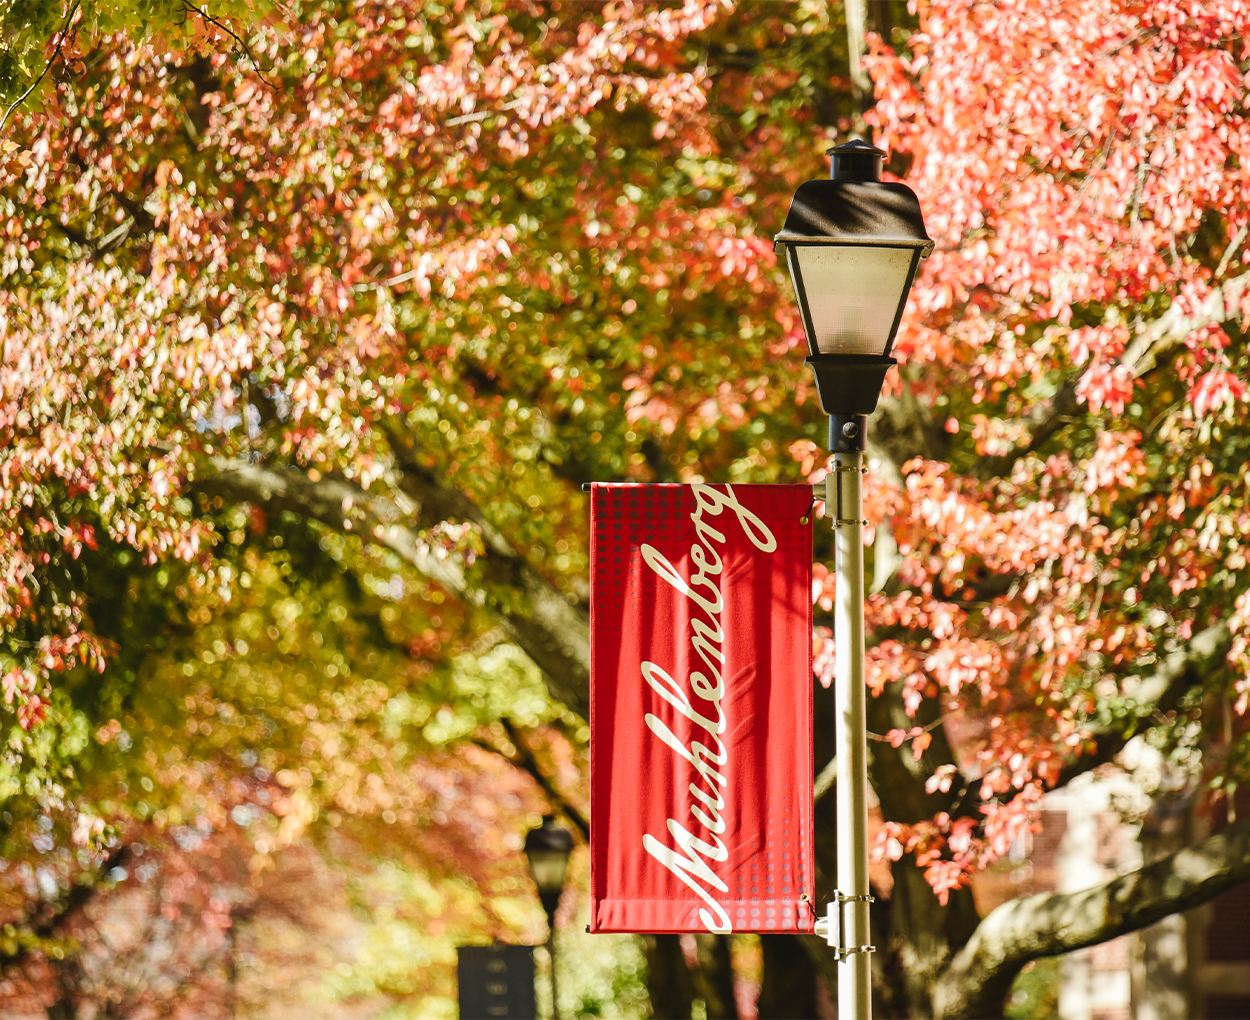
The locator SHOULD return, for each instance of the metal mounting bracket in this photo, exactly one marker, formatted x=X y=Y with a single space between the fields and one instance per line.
x=842 y=950
x=836 y=471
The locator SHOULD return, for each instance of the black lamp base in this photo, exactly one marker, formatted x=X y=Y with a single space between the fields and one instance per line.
x=846 y=433
x=550 y=901
x=849 y=384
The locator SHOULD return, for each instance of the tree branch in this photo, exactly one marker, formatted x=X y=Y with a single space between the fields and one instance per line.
x=60 y=42
x=980 y=975
x=556 y=631
x=525 y=760
x=1152 y=342
x=1158 y=691
x=188 y=6
x=555 y=634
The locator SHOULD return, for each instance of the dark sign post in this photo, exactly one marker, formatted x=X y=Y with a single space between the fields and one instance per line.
x=496 y=981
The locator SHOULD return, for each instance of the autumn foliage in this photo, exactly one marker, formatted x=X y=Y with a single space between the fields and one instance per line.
x=347 y=320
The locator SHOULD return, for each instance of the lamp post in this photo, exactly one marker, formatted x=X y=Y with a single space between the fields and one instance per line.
x=548 y=848
x=852 y=244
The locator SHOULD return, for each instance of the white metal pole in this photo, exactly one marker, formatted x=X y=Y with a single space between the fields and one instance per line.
x=845 y=503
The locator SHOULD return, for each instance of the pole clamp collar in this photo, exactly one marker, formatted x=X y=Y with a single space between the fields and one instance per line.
x=838 y=939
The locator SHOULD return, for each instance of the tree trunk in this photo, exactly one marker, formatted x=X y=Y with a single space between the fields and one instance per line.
x=882 y=19
x=856 y=29
x=668 y=978
x=714 y=981
x=922 y=937
x=788 y=991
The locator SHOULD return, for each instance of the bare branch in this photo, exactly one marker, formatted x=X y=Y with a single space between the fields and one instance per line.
x=188 y=6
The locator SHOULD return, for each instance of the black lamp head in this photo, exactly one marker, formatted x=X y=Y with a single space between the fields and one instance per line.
x=548 y=848
x=853 y=243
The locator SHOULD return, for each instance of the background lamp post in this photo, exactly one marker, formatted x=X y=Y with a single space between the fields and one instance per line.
x=548 y=848
x=852 y=244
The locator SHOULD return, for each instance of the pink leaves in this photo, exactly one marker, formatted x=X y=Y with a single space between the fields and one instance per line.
x=950 y=515
x=1116 y=464
x=920 y=738
x=944 y=877
x=1216 y=391
x=824 y=661
x=1046 y=212
x=27 y=691
x=941 y=780
x=1106 y=386
x=740 y=257
x=823 y=587
x=15 y=680
x=808 y=455
x=31 y=712
x=1004 y=823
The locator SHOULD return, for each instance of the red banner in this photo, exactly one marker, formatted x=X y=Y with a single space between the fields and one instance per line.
x=701 y=708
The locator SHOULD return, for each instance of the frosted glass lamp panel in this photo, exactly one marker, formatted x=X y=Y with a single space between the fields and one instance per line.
x=549 y=868
x=853 y=294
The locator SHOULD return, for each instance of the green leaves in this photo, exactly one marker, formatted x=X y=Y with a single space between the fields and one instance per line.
x=44 y=42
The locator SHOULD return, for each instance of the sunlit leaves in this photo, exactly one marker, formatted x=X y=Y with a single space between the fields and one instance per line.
x=530 y=248
x=1083 y=172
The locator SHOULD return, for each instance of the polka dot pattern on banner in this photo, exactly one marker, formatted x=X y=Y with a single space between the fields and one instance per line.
x=662 y=512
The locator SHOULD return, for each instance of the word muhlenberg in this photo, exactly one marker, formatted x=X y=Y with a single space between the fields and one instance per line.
x=689 y=862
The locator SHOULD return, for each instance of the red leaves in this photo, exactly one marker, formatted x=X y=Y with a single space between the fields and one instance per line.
x=392 y=216
x=1060 y=158
x=13 y=160
x=19 y=690
x=1106 y=385
x=950 y=849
